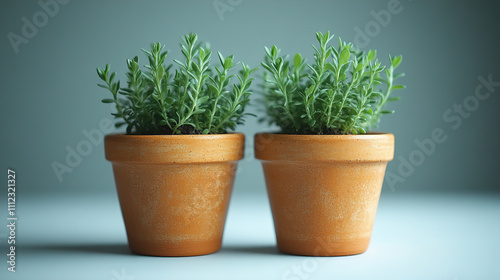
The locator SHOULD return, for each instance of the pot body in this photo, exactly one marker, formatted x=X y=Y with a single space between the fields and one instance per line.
x=174 y=190
x=324 y=189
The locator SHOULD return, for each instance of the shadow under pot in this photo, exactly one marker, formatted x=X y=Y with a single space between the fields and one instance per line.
x=174 y=190
x=324 y=189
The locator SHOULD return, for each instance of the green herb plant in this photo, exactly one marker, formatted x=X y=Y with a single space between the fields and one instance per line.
x=343 y=92
x=194 y=99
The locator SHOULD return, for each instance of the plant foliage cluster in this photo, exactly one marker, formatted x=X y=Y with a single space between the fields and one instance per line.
x=194 y=99
x=343 y=92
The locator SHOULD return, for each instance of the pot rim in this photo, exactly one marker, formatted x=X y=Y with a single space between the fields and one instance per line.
x=366 y=135
x=172 y=135
x=174 y=149
x=370 y=147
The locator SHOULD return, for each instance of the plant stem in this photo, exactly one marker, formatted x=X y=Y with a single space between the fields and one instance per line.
x=390 y=80
x=361 y=106
x=189 y=60
x=287 y=101
x=220 y=90
x=199 y=84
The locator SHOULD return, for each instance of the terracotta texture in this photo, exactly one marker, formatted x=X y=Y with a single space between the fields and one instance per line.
x=174 y=190
x=324 y=189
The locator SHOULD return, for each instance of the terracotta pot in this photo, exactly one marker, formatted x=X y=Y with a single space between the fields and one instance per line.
x=324 y=189
x=174 y=190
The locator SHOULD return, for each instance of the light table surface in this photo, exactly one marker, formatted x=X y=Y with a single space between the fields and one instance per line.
x=416 y=236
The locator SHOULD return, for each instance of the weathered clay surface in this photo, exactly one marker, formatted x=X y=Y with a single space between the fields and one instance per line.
x=174 y=191
x=324 y=189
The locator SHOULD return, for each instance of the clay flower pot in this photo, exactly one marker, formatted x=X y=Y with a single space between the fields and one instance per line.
x=174 y=190
x=324 y=189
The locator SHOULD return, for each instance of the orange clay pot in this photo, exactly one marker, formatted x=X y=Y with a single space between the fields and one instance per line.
x=324 y=189
x=174 y=190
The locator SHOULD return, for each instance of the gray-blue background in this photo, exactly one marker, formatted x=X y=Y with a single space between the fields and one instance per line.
x=49 y=92
x=436 y=220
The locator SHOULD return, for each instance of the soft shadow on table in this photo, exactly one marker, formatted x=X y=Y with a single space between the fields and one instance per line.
x=122 y=249
x=112 y=249
x=262 y=250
